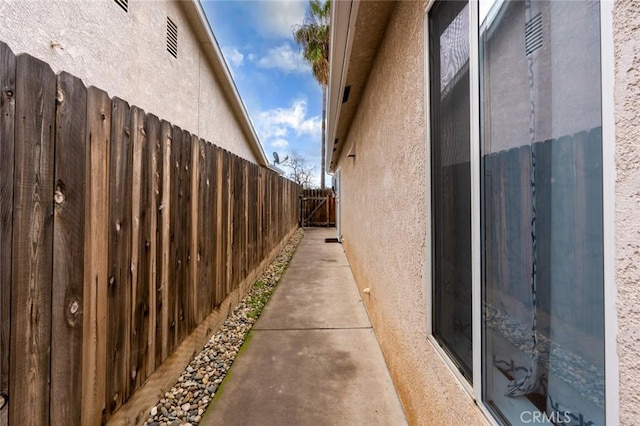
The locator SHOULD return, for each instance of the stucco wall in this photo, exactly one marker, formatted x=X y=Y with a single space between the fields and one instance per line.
x=627 y=208
x=125 y=54
x=384 y=223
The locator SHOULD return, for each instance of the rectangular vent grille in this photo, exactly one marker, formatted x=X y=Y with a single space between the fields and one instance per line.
x=172 y=38
x=124 y=4
x=533 y=34
x=345 y=95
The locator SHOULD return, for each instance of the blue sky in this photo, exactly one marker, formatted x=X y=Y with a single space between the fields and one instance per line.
x=279 y=91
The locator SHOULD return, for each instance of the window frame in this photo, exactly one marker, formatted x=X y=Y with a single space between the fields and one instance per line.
x=474 y=389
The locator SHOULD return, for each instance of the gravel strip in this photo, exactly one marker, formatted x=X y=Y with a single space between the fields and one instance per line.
x=187 y=400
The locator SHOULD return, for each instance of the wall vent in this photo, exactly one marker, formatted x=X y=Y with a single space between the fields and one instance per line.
x=124 y=4
x=172 y=38
x=533 y=34
x=345 y=95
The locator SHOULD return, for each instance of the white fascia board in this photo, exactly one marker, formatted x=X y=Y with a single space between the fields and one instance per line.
x=343 y=21
x=276 y=169
x=212 y=49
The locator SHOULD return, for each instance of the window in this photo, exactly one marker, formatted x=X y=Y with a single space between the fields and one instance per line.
x=542 y=224
x=516 y=145
x=451 y=180
x=172 y=38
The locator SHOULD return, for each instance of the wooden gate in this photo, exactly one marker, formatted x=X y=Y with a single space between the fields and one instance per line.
x=317 y=207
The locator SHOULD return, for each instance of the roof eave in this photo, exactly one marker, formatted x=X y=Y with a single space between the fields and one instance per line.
x=195 y=13
x=343 y=19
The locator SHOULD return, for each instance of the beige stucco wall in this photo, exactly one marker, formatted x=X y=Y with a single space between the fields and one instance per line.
x=627 y=208
x=384 y=223
x=125 y=54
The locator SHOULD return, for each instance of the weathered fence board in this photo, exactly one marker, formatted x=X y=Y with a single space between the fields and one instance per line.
x=94 y=317
x=68 y=244
x=163 y=259
x=186 y=284
x=120 y=223
x=149 y=213
x=124 y=239
x=7 y=120
x=567 y=181
x=32 y=244
x=142 y=247
x=206 y=230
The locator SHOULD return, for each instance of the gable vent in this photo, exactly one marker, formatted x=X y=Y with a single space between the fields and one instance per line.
x=172 y=38
x=533 y=34
x=124 y=4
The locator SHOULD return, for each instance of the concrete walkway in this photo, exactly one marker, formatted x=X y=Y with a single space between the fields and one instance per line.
x=312 y=358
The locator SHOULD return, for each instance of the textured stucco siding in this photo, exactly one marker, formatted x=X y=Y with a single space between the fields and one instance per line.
x=627 y=208
x=384 y=223
x=125 y=54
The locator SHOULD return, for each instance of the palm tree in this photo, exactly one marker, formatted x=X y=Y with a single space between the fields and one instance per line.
x=313 y=37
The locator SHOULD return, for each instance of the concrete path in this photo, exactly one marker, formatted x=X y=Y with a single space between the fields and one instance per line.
x=312 y=358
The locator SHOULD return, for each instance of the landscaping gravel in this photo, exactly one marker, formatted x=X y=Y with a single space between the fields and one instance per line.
x=186 y=402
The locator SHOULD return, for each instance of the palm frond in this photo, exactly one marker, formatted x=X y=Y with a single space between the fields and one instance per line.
x=313 y=37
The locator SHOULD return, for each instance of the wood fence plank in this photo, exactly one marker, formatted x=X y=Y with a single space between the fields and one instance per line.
x=582 y=291
x=594 y=269
x=141 y=251
x=205 y=232
x=518 y=287
x=522 y=182
x=136 y=325
x=219 y=289
x=150 y=260
x=7 y=126
x=228 y=230
x=246 y=263
x=563 y=256
x=544 y=213
x=236 y=246
x=185 y=283
x=194 y=316
x=120 y=224
x=176 y=234
x=68 y=241
x=212 y=214
x=94 y=304
x=32 y=243
x=163 y=306
x=238 y=207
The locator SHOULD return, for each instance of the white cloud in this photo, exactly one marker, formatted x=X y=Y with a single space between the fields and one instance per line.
x=280 y=143
x=276 y=17
x=284 y=58
x=277 y=126
x=233 y=56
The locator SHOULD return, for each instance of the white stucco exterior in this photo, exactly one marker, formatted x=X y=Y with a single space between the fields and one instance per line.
x=626 y=19
x=125 y=54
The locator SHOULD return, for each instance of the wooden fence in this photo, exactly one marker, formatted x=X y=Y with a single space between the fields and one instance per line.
x=120 y=234
x=569 y=250
x=317 y=207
